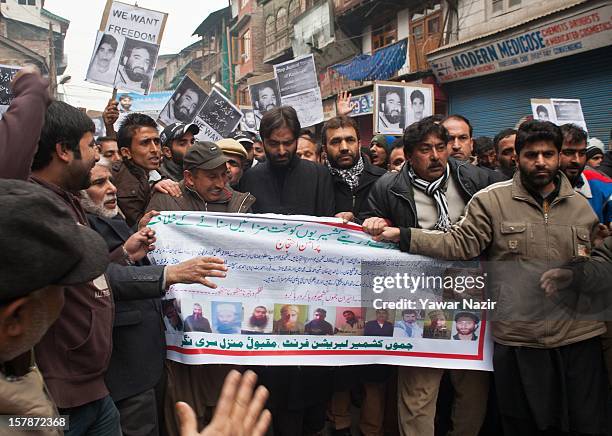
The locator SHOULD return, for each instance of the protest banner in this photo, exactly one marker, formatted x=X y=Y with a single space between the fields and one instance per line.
x=185 y=102
x=126 y=48
x=399 y=104
x=150 y=104
x=7 y=72
x=558 y=110
x=310 y=291
x=218 y=117
x=298 y=86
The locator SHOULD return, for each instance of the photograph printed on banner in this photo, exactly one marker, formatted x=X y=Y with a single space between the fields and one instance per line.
x=196 y=315
x=185 y=103
x=296 y=76
x=289 y=319
x=264 y=96
x=349 y=321
x=321 y=321
x=258 y=318
x=466 y=326
x=408 y=324
x=171 y=310
x=390 y=109
x=105 y=59
x=379 y=322
x=136 y=66
x=226 y=317
x=220 y=114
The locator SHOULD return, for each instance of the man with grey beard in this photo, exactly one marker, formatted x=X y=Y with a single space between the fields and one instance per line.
x=135 y=373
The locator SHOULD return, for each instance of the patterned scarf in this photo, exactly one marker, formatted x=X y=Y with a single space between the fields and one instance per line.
x=437 y=190
x=349 y=175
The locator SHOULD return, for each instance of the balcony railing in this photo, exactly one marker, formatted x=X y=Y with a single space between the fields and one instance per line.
x=281 y=43
x=341 y=6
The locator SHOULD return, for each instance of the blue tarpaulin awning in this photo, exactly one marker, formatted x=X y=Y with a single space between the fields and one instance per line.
x=382 y=65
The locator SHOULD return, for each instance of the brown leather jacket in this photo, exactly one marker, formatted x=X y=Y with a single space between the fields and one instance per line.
x=133 y=190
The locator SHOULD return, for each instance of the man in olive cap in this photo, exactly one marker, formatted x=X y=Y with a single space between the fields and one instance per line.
x=236 y=156
x=204 y=187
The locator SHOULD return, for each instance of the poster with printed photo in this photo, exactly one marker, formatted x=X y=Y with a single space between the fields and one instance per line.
x=136 y=66
x=568 y=111
x=264 y=96
x=542 y=110
x=105 y=59
x=397 y=105
x=249 y=122
x=185 y=103
x=219 y=113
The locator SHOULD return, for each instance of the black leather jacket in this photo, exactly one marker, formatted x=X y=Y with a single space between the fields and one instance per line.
x=392 y=196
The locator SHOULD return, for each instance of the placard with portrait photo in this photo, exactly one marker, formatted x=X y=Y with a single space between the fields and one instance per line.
x=185 y=103
x=397 y=105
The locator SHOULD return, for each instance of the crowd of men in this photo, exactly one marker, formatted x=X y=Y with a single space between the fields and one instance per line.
x=78 y=289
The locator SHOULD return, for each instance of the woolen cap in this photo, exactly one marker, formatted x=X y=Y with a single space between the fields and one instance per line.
x=42 y=244
x=231 y=146
x=204 y=155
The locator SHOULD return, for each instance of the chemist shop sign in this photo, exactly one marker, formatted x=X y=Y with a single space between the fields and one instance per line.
x=575 y=33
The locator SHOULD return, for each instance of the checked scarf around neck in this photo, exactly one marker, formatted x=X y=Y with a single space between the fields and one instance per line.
x=349 y=175
x=437 y=190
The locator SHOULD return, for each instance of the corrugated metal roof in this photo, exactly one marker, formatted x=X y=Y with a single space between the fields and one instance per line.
x=513 y=26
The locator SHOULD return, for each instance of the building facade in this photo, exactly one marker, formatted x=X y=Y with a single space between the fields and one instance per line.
x=503 y=53
x=31 y=34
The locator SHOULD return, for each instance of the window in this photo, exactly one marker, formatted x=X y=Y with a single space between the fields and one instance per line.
x=433 y=25
x=384 y=35
x=269 y=30
x=499 y=7
x=281 y=19
x=245 y=47
x=294 y=9
x=25 y=2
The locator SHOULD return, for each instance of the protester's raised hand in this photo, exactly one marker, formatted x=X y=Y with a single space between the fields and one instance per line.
x=556 y=279
x=140 y=243
x=343 y=103
x=146 y=218
x=110 y=115
x=239 y=412
x=169 y=187
x=195 y=271
x=374 y=226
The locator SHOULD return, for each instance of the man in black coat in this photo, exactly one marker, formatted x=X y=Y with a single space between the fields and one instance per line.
x=135 y=372
x=430 y=192
x=352 y=175
x=286 y=184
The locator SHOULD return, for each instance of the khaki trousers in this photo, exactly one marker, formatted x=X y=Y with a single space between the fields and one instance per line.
x=418 y=393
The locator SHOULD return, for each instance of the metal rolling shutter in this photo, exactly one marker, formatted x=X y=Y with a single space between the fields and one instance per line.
x=498 y=101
